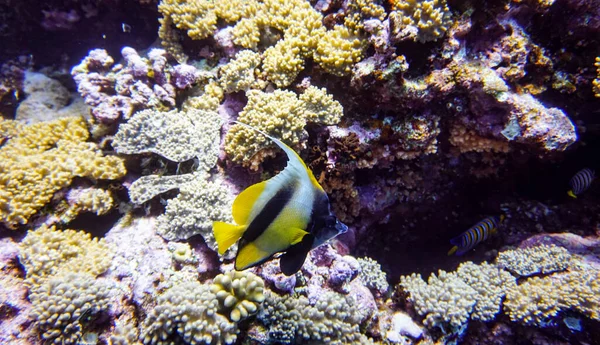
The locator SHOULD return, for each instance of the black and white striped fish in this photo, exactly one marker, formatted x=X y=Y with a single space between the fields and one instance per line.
x=581 y=182
x=288 y=213
x=476 y=234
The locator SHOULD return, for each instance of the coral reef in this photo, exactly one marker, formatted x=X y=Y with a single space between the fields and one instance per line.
x=416 y=117
x=177 y=136
x=535 y=260
x=420 y=20
x=281 y=114
x=61 y=268
x=199 y=203
x=473 y=291
x=116 y=91
x=40 y=159
x=332 y=319
x=238 y=292
x=187 y=311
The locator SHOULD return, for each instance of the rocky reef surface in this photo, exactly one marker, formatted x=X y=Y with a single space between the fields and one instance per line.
x=118 y=150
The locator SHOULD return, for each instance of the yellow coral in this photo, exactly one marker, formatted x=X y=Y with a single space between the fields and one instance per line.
x=338 y=50
x=281 y=114
x=596 y=82
x=431 y=18
x=538 y=299
x=42 y=158
x=197 y=17
x=210 y=99
x=48 y=252
x=304 y=35
x=239 y=294
x=239 y=74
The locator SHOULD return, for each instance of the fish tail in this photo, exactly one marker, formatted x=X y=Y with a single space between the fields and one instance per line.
x=227 y=234
x=452 y=250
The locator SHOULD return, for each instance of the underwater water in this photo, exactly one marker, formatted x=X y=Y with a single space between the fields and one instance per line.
x=299 y=172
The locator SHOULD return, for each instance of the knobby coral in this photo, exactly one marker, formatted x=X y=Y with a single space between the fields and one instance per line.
x=281 y=114
x=38 y=160
x=239 y=294
x=61 y=268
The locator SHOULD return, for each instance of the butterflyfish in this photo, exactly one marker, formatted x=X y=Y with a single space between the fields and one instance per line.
x=288 y=213
x=581 y=181
x=475 y=235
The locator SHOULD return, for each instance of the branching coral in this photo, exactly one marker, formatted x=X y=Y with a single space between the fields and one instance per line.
x=542 y=259
x=177 y=136
x=332 y=319
x=240 y=73
x=304 y=35
x=473 y=291
x=63 y=303
x=280 y=114
x=538 y=299
x=372 y=276
x=61 y=269
x=47 y=252
x=239 y=294
x=187 y=313
x=96 y=200
x=38 y=160
x=421 y=20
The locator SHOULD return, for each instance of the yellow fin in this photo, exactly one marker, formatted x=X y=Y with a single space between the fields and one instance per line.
x=453 y=250
x=250 y=255
x=227 y=234
x=571 y=194
x=243 y=203
x=270 y=242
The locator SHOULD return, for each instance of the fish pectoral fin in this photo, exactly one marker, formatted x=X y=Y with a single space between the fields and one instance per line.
x=452 y=250
x=227 y=234
x=244 y=202
x=293 y=259
x=296 y=235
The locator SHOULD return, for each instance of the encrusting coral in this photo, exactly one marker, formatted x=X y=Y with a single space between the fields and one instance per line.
x=38 y=160
x=61 y=269
x=332 y=319
x=473 y=291
x=200 y=202
x=542 y=259
x=187 y=313
x=177 y=136
x=281 y=114
x=537 y=300
x=239 y=294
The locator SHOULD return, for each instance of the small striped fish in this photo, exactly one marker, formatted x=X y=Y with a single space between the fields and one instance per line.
x=581 y=182
x=476 y=234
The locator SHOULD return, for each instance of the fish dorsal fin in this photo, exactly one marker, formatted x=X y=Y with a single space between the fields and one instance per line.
x=296 y=168
x=244 y=202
